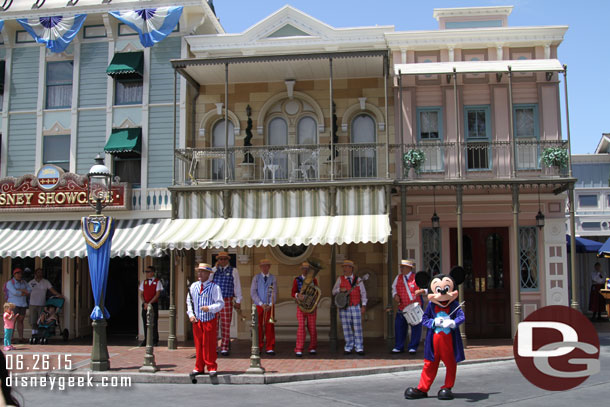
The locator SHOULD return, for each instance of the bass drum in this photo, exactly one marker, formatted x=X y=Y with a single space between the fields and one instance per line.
x=413 y=313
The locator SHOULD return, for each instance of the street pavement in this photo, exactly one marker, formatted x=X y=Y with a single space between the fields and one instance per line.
x=485 y=384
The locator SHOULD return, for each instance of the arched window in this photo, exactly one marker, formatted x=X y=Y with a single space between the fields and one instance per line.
x=307 y=160
x=363 y=159
x=218 y=140
x=277 y=161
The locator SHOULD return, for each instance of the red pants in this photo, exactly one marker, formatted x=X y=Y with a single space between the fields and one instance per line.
x=204 y=335
x=264 y=327
x=443 y=350
x=226 y=314
x=310 y=319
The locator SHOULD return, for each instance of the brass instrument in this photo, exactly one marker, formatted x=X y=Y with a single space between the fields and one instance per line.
x=269 y=299
x=240 y=314
x=312 y=293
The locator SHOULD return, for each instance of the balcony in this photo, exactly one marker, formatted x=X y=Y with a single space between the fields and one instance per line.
x=312 y=163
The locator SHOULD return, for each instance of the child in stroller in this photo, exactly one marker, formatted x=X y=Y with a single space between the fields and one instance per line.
x=48 y=320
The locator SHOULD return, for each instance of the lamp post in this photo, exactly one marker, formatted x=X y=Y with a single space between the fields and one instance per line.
x=98 y=231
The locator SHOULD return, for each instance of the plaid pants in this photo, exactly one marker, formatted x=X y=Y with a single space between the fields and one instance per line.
x=226 y=314
x=351 y=320
x=310 y=319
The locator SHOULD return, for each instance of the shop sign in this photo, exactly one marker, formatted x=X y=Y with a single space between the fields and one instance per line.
x=53 y=190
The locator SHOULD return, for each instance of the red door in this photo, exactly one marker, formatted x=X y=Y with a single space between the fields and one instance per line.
x=487 y=284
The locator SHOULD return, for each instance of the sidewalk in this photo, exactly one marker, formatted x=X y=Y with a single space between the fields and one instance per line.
x=175 y=365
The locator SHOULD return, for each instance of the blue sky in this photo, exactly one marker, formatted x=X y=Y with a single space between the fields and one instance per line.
x=585 y=48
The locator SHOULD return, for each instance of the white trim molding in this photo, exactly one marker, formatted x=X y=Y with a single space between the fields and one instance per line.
x=273 y=100
x=356 y=108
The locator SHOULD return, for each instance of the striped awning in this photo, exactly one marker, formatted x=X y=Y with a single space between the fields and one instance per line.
x=248 y=232
x=64 y=238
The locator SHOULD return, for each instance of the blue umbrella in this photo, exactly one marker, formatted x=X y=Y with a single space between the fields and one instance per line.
x=584 y=245
x=604 y=251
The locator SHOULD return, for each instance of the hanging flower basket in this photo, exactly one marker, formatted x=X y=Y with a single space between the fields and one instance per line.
x=555 y=157
x=414 y=158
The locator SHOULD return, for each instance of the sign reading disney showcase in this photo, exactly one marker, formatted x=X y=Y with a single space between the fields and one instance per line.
x=52 y=189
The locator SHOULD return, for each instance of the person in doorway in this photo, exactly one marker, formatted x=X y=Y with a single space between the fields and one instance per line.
x=38 y=297
x=18 y=293
x=351 y=315
x=9 y=325
x=264 y=294
x=150 y=290
x=227 y=279
x=596 y=300
x=203 y=303
x=406 y=292
x=303 y=317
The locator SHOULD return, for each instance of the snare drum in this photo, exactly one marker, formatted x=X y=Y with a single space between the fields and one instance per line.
x=413 y=313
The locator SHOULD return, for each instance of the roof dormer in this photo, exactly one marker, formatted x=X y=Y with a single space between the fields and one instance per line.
x=472 y=17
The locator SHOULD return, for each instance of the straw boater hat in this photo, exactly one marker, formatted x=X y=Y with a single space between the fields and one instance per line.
x=305 y=265
x=222 y=254
x=265 y=261
x=348 y=263
x=408 y=263
x=204 y=267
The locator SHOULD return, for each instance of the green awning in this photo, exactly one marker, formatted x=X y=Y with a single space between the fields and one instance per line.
x=127 y=65
x=124 y=141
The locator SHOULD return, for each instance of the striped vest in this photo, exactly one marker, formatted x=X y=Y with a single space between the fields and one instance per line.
x=224 y=279
x=401 y=290
x=201 y=300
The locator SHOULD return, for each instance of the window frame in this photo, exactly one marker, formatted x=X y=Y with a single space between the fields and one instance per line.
x=580 y=205
x=374 y=141
x=47 y=85
x=430 y=109
x=536 y=281
x=219 y=162
x=118 y=80
x=116 y=159
x=56 y=162
x=479 y=140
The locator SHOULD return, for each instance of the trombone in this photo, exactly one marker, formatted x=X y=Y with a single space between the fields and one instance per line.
x=269 y=300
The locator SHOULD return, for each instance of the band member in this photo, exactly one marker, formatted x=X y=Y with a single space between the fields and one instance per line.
x=351 y=316
x=443 y=340
x=150 y=290
x=405 y=292
x=303 y=317
x=203 y=303
x=264 y=294
x=227 y=279
x=596 y=300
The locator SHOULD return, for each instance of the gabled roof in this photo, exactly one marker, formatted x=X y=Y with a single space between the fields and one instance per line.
x=284 y=30
x=604 y=145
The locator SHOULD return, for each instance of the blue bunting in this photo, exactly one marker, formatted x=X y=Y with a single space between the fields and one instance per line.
x=152 y=24
x=54 y=32
x=98 y=232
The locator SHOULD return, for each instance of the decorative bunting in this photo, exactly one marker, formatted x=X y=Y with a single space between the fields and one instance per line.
x=1 y=25
x=55 y=32
x=152 y=24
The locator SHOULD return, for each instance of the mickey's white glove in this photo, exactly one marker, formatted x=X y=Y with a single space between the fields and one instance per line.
x=438 y=321
x=449 y=323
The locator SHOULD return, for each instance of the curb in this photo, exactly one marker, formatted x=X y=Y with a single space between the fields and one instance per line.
x=271 y=378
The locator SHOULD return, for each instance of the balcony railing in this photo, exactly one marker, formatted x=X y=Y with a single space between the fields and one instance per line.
x=310 y=163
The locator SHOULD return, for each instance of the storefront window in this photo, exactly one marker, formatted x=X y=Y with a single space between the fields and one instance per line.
x=162 y=267
x=52 y=272
x=26 y=264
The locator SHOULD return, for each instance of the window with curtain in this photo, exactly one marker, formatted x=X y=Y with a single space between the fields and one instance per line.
x=56 y=150
x=431 y=239
x=363 y=159
x=277 y=161
x=128 y=170
x=307 y=134
x=128 y=91
x=526 y=136
x=59 y=84
x=429 y=129
x=528 y=257
x=218 y=140
x=478 y=130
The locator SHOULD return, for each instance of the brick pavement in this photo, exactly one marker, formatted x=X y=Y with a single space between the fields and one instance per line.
x=127 y=357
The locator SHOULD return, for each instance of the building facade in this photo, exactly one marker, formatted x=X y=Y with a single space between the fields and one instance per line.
x=104 y=93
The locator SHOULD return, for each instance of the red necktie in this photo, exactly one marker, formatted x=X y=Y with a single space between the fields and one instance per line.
x=201 y=289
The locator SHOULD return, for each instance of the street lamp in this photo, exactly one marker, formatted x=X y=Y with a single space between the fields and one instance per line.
x=436 y=221
x=98 y=231
x=540 y=215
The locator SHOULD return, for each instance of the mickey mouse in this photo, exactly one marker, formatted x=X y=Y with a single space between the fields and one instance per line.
x=443 y=340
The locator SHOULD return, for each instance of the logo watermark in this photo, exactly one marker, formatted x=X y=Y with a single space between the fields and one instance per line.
x=556 y=348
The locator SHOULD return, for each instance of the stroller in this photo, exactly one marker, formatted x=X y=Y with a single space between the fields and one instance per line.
x=47 y=329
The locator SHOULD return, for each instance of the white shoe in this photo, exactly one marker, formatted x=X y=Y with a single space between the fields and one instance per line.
x=299 y=354
x=412 y=351
x=312 y=352
x=396 y=350
x=212 y=373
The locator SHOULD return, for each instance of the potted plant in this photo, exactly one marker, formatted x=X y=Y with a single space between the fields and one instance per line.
x=414 y=158
x=555 y=157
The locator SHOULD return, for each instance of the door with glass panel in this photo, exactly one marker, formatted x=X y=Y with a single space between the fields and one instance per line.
x=487 y=284
x=363 y=158
x=275 y=160
x=478 y=131
x=218 y=140
x=526 y=136
x=307 y=139
x=430 y=137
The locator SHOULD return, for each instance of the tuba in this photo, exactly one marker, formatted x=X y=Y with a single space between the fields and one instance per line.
x=312 y=294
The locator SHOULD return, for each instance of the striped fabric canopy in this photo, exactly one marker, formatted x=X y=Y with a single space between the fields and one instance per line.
x=64 y=238
x=240 y=232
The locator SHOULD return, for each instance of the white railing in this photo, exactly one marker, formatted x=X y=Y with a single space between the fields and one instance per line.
x=156 y=199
